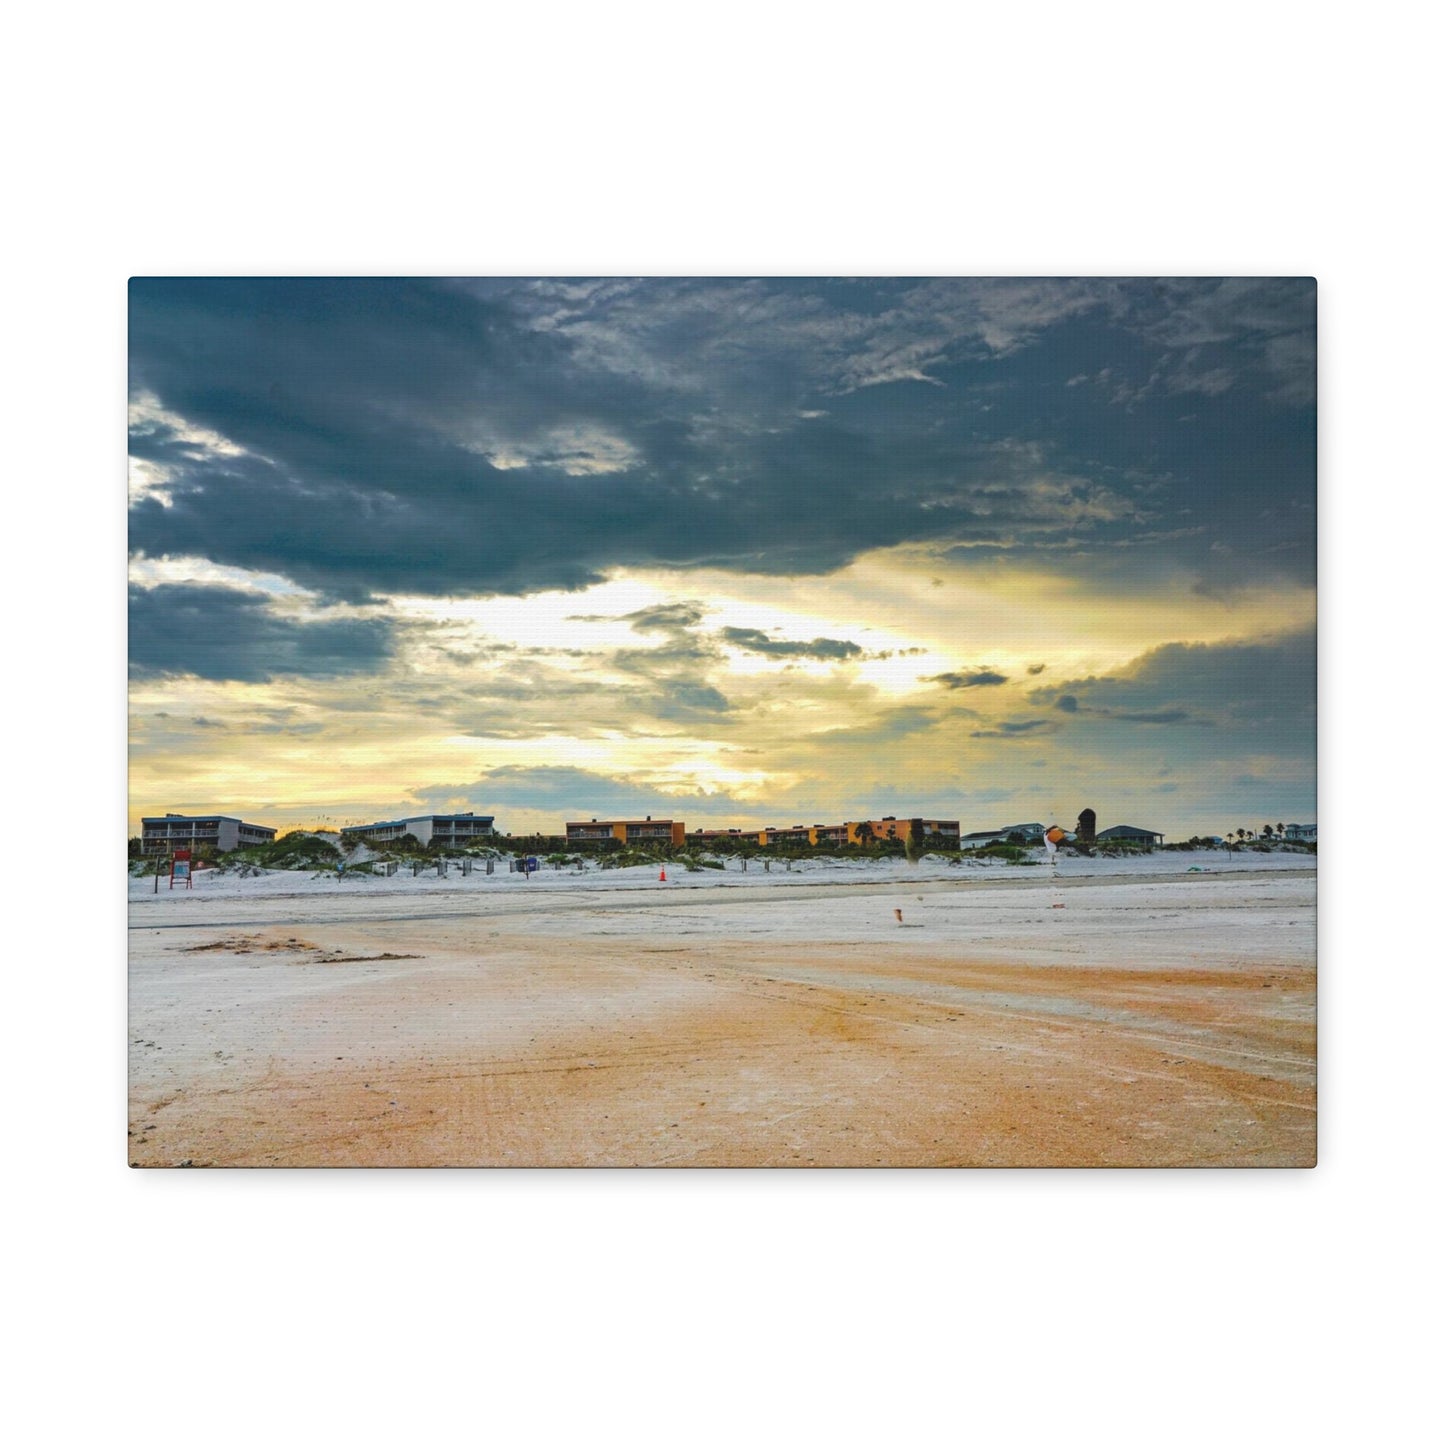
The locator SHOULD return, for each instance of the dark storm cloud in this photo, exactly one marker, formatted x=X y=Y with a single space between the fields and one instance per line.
x=1070 y=704
x=1166 y=715
x=824 y=649
x=511 y=436
x=224 y=634
x=1257 y=696
x=981 y=678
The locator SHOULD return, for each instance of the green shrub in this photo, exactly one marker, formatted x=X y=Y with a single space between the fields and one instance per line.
x=633 y=858
x=293 y=852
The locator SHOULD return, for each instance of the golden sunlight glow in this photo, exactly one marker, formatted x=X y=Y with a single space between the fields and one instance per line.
x=474 y=687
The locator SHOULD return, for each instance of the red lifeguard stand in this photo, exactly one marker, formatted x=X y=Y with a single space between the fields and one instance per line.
x=181 y=866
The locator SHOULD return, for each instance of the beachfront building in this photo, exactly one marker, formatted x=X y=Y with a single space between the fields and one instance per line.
x=1301 y=832
x=930 y=832
x=1134 y=837
x=1027 y=834
x=177 y=830
x=629 y=830
x=705 y=836
x=450 y=830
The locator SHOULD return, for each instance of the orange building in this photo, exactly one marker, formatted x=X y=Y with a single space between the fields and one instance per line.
x=648 y=830
x=724 y=835
x=936 y=832
x=939 y=832
x=879 y=830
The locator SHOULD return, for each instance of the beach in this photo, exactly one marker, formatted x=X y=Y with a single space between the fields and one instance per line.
x=1131 y=1012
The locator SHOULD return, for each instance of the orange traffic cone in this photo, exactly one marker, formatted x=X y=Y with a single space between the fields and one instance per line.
x=662 y=875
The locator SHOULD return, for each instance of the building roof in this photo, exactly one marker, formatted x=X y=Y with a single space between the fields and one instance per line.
x=1004 y=832
x=612 y=822
x=203 y=818
x=421 y=818
x=1125 y=830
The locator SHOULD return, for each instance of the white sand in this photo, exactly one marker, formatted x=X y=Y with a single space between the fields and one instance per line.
x=1121 y=1011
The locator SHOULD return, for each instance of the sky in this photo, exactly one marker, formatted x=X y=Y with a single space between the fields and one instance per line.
x=743 y=552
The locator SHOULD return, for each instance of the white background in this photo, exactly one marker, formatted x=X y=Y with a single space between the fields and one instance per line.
x=818 y=139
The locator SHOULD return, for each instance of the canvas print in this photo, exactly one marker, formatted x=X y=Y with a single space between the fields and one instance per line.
x=722 y=722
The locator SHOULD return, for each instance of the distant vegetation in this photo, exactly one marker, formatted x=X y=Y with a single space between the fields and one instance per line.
x=309 y=850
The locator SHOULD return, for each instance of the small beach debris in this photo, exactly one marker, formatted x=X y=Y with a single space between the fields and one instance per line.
x=898 y=914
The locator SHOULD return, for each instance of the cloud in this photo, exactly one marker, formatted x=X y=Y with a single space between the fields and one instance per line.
x=223 y=633
x=1258 y=325
x=1014 y=730
x=682 y=699
x=1164 y=715
x=369 y=436
x=572 y=793
x=888 y=727
x=668 y=617
x=824 y=649
x=981 y=677
x=1250 y=695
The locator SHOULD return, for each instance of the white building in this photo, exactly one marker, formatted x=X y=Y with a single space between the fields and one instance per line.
x=175 y=830
x=453 y=830
x=1301 y=832
x=1032 y=834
